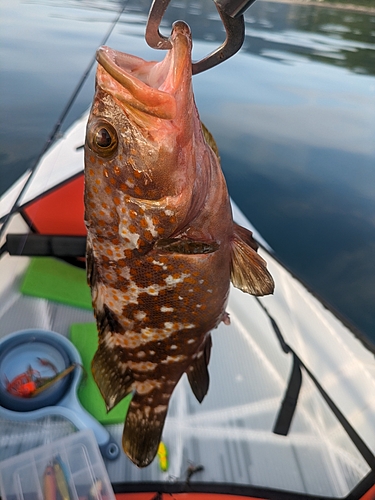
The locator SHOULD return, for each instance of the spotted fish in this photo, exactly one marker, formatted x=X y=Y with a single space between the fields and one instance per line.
x=162 y=246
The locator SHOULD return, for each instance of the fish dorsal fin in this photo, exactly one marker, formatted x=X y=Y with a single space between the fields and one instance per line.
x=248 y=270
x=197 y=373
x=142 y=432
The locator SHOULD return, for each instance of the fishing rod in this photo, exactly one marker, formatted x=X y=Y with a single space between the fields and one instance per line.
x=57 y=127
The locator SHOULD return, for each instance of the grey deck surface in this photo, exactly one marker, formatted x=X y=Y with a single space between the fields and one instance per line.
x=230 y=433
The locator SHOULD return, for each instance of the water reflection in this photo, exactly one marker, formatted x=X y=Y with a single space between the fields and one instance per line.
x=334 y=36
x=337 y=36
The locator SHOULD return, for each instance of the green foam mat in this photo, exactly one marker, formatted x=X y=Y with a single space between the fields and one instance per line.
x=85 y=337
x=58 y=281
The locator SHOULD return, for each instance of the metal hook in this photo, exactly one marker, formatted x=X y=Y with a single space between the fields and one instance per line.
x=235 y=35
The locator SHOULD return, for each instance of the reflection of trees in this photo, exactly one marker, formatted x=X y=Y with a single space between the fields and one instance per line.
x=346 y=37
x=354 y=29
x=352 y=4
x=357 y=52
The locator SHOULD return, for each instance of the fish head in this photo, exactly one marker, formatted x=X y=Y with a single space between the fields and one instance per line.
x=143 y=119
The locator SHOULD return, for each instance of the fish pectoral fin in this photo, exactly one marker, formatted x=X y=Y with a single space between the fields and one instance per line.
x=142 y=432
x=248 y=270
x=90 y=265
x=113 y=384
x=197 y=373
x=186 y=246
x=245 y=235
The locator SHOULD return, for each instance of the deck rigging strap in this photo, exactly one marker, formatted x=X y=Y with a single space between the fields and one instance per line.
x=289 y=404
x=45 y=245
x=59 y=122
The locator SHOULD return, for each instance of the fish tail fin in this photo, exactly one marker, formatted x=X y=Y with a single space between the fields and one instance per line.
x=197 y=373
x=248 y=270
x=113 y=384
x=142 y=432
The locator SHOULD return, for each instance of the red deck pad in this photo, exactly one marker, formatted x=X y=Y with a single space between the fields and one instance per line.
x=60 y=211
x=370 y=495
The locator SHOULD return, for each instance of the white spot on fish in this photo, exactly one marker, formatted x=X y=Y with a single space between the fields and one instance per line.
x=160 y=408
x=173 y=347
x=151 y=226
x=166 y=309
x=145 y=411
x=152 y=290
x=133 y=240
x=132 y=339
x=146 y=386
x=139 y=315
x=111 y=401
x=191 y=341
x=141 y=366
x=171 y=281
x=173 y=359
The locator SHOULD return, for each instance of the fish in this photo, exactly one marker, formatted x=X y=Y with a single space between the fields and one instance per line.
x=49 y=484
x=61 y=477
x=162 y=246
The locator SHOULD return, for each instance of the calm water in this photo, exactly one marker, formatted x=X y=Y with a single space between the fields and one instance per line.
x=293 y=114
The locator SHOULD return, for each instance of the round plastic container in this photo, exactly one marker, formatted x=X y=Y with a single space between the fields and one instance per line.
x=38 y=350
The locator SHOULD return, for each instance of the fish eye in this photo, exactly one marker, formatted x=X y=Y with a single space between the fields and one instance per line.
x=102 y=138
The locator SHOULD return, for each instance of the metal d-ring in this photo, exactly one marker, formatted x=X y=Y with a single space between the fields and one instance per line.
x=235 y=35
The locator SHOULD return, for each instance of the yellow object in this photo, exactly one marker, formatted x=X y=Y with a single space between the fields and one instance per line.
x=61 y=480
x=163 y=457
x=49 y=484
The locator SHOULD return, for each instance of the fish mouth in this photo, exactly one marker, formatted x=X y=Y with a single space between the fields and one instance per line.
x=148 y=86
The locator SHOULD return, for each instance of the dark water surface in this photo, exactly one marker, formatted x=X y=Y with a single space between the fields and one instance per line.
x=293 y=114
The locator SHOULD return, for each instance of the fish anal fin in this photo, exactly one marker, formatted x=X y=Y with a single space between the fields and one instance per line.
x=248 y=270
x=142 y=432
x=113 y=384
x=197 y=372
